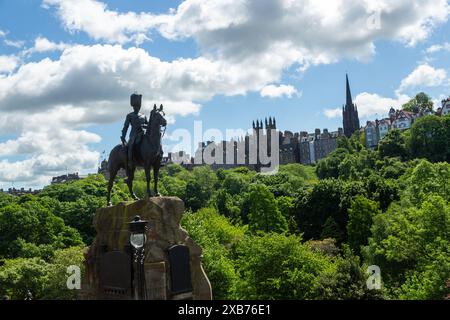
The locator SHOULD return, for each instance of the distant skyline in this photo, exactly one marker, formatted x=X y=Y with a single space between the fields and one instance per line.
x=67 y=68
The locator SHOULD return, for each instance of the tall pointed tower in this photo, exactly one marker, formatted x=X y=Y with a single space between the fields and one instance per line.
x=349 y=113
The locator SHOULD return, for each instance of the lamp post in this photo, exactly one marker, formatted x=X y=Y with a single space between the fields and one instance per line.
x=138 y=239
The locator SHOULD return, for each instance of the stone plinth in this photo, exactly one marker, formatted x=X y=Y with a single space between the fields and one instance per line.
x=164 y=231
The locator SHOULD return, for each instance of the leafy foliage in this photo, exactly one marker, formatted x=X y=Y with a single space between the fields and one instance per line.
x=420 y=103
x=304 y=233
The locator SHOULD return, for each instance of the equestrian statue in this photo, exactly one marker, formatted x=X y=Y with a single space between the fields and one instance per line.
x=143 y=148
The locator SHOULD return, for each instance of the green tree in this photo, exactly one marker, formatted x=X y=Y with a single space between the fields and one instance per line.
x=329 y=166
x=56 y=287
x=408 y=242
x=217 y=237
x=327 y=198
x=18 y=276
x=393 y=145
x=226 y=206
x=286 y=206
x=360 y=219
x=331 y=230
x=196 y=196
x=425 y=179
x=44 y=279
x=264 y=214
x=347 y=281
x=429 y=281
x=79 y=215
x=275 y=266
x=34 y=224
x=381 y=190
x=429 y=139
x=420 y=103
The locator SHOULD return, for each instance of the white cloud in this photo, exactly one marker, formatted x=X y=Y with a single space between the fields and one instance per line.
x=333 y=113
x=424 y=76
x=305 y=32
x=44 y=45
x=370 y=104
x=91 y=85
x=94 y=18
x=438 y=47
x=245 y=45
x=49 y=148
x=100 y=78
x=8 y=63
x=273 y=91
x=14 y=43
x=11 y=43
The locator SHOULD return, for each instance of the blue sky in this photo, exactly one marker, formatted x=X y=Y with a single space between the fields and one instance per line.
x=67 y=68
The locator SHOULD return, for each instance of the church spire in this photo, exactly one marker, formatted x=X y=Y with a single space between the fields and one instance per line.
x=349 y=113
x=349 y=99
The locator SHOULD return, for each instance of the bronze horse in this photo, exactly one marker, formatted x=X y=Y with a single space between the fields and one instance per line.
x=148 y=153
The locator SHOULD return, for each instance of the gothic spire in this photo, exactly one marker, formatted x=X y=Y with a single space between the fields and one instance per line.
x=349 y=99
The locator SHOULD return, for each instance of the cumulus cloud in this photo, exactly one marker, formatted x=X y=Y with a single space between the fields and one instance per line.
x=8 y=63
x=333 y=113
x=9 y=42
x=370 y=104
x=244 y=46
x=42 y=44
x=273 y=91
x=304 y=32
x=105 y=75
x=424 y=76
x=49 y=148
x=438 y=47
x=14 y=43
x=310 y=31
x=91 y=85
x=94 y=18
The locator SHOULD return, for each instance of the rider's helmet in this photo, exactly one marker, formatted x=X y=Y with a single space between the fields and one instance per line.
x=136 y=100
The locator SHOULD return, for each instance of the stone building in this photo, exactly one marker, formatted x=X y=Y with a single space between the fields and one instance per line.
x=445 y=109
x=324 y=143
x=384 y=125
x=20 y=192
x=66 y=178
x=371 y=133
x=402 y=120
x=298 y=147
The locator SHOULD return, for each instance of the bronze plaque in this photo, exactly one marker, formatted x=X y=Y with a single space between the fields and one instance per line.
x=180 y=269
x=115 y=276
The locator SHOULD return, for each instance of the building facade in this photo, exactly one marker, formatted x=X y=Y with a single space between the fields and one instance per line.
x=445 y=109
x=402 y=120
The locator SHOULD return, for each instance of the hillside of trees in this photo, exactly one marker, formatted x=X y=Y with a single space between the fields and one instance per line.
x=307 y=232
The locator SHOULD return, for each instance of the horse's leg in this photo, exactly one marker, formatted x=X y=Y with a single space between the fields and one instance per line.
x=155 y=179
x=130 y=179
x=112 y=176
x=147 y=178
